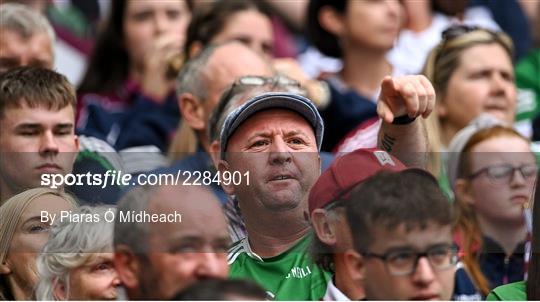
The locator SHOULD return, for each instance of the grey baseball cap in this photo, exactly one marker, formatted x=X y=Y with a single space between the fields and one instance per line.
x=460 y=139
x=272 y=100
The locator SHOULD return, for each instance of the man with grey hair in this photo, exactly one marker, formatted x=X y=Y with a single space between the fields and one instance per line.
x=199 y=87
x=26 y=38
x=155 y=260
x=202 y=81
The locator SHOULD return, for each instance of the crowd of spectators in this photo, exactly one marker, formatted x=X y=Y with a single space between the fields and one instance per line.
x=305 y=150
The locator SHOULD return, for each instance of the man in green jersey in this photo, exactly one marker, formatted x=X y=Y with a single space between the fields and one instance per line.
x=273 y=142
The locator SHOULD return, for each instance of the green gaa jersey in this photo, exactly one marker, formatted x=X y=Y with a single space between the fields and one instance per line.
x=510 y=292
x=528 y=83
x=292 y=275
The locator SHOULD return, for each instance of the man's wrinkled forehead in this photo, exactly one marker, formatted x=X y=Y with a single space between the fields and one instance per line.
x=36 y=48
x=286 y=117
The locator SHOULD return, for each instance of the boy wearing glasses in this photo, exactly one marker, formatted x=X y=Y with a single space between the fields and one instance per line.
x=401 y=224
x=328 y=216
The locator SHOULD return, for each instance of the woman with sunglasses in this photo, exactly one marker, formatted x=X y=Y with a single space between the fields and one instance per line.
x=492 y=171
x=471 y=70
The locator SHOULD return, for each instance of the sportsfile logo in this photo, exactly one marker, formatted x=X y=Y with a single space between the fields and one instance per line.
x=119 y=178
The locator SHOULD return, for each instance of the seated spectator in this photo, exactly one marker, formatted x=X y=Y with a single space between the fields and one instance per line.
x=276 y=138
x=242 y=90
x=490 y=200
x=246 y=22
x=200 y=84
x=156 y=260
x=243 y=21
x=213 y=25
x=37 y=128
x=391 y=101
x=26 y=38
x=464 y=52
x=529 y=289
x=471 y=70
x=126 y=96
x=401 y=224
x=23 y=25
x=220 y=290
x=22 y=235
x=76 y=263
x=360 y=33
x=74 y=25
x=328 y=217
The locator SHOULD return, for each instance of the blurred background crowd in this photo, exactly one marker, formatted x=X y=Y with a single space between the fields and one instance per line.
x=155 y=86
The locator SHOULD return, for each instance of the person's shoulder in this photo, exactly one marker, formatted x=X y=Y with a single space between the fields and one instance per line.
x=528 y=66
x=464 y=288
x=513 y=291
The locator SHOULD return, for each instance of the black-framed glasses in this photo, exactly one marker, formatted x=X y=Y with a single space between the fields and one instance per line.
x=404 y=262
x=503 y=174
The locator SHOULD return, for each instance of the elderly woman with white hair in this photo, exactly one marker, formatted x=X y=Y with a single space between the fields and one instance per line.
x=77 y=261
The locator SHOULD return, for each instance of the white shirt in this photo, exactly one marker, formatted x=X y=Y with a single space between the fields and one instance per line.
x=411 y=49
x=333 y=293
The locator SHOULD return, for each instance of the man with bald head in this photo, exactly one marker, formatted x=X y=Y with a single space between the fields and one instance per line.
x=204 y=78
x=200 y=84
x=155 y=260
